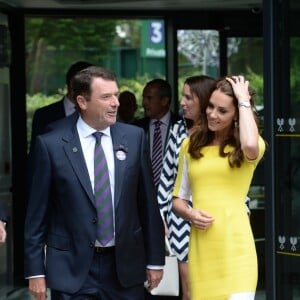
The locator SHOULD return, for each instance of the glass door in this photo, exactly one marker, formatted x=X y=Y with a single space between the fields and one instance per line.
x=286 y=126
x=287 y=143
x=197 y=54
x=134 y=49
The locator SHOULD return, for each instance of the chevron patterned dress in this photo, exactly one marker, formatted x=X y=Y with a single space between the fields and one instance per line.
x=179 y=229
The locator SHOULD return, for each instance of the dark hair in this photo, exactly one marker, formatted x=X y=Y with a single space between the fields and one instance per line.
x=201 y=86
x=203 y=136
x=127 y=95
x=75 y=68
x=81 y=82
x=164 y=87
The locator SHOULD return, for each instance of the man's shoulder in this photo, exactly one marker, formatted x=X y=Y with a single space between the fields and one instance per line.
x=125 y=127
x=141 y=121
x=63 y=122
x=52 y=106
x=175 y=118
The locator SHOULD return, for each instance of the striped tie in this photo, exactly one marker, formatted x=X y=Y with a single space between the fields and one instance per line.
x=102 y=192
x=156 y=153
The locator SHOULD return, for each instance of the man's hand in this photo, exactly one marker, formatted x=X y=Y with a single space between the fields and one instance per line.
x=2 y=232
x=167 y=232
x=154 y=277
x=37 y=287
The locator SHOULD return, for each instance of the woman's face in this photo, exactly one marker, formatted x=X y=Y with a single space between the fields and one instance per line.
x=220 y=112
x=190 y=104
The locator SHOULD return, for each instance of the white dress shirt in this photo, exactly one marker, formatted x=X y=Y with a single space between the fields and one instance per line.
x=88 y=141
x=165 y=121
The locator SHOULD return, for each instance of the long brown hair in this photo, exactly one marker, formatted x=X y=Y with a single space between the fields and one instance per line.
x=201 y=86
x=202 y=136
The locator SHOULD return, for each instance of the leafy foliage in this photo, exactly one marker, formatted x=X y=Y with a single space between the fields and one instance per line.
x=53 y=44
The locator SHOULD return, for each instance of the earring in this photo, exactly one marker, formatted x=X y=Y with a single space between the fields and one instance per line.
x=235 y=123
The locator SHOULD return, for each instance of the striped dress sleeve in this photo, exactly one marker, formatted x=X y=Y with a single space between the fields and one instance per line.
x=169 y=170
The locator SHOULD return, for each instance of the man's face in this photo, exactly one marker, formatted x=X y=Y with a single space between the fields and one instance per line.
x=101 y=110
x=154 y=106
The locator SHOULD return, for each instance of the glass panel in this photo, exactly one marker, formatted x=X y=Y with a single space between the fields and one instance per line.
x=198 y=53
x=133 y=49
x=287 y=130
x=245 y=56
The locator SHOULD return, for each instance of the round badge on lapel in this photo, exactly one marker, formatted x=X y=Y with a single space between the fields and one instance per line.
x=121 y=155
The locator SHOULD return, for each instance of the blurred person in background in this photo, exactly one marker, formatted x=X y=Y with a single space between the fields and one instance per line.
x=127 y=108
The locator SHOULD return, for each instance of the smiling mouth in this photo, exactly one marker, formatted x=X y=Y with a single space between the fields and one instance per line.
x=212 y=123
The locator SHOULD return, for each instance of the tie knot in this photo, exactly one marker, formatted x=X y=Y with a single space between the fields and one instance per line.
x=157 y=123
x=98 y=135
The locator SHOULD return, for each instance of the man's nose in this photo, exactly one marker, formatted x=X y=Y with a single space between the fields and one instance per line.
x=116 y=101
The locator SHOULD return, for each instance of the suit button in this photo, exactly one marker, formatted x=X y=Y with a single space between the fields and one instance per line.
x=94 y=220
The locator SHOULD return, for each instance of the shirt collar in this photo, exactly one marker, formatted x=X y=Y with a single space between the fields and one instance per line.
x=164 y=120
x=86 y=130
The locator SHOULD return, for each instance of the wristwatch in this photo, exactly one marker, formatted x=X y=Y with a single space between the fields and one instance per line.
x=245 y=104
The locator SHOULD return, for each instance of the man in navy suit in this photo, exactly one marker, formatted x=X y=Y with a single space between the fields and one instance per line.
x=61 y=248
x=57 y=110
x=3 y=221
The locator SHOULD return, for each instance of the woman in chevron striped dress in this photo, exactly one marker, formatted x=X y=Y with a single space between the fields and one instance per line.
x=195 y=96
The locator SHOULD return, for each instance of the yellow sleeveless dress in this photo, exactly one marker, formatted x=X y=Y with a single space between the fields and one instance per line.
x=222 y=259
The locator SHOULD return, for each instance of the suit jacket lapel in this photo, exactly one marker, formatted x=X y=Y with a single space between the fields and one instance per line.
x=120 y=147
x=74 y=153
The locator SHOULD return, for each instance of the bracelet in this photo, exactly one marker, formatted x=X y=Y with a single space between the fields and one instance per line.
x=245 y=104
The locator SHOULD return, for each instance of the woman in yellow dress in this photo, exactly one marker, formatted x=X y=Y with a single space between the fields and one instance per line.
x=216 y=166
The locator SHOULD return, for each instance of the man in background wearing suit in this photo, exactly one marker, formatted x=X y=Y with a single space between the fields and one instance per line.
x=3 y=221
x=63 y=216
x=57 y=110
x=157 y=97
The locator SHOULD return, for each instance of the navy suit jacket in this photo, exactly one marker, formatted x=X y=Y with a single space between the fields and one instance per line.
x=145 y=122
x=61 y=213
x=45 y=116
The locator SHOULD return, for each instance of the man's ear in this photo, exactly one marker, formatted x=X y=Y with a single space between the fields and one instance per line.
x=81 y=102
x=165 y=101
